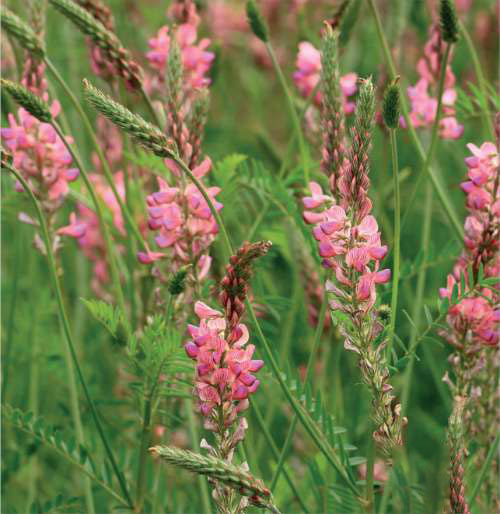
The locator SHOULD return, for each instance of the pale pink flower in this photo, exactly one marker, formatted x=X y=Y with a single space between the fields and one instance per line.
x=41 y=156
x=308 y=72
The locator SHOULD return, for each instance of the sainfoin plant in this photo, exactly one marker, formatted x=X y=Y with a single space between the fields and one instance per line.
x=250 y=256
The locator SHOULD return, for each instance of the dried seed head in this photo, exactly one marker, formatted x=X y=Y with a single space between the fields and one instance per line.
x=177 y=284
x=143 y=132
x=21 y=31
x=29 y=101
x=448 y=21
x=257 y=22
x=235 y=284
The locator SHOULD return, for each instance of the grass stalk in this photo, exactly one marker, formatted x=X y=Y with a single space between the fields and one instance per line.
x=312 y=357
x=426 y=162
x=113 y=264
x=293 y=112
x=105 y=166
x=397 y=237
x=478 y=70
x=70 y=347
x=143 y=454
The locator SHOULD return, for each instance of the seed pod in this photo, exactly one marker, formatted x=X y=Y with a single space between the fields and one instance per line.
x=448 y=21
x=391 y=106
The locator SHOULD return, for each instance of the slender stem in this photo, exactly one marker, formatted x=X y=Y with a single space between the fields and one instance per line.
x=397 y=235
x=105 y=166
x=115 y=275
x=484 y=470
x=276 y=453
x=487 y=122
x=150 y=106
x=67 y=331
x=33 y=403
x=318 y=438
x=426 y=168
x=11 y=319
x=293 y=112
x=312 y=357
x=202 y=483
x=417 y=311
x=143 y=454
x=370 y=465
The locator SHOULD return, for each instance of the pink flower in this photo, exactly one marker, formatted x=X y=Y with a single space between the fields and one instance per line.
x=41 y=156
x=423 y=105
x=475 y=319
x=183 y=220
x=225 y=370
x=196 y=60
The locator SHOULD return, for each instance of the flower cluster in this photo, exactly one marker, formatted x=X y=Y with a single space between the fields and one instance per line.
x=308 y=75
x=183 y=220
x=350 y=244
x=225 y=367
x=475 y=319
x=41 y=156
x=423 y=105
x=86 y=229
x=196 y=60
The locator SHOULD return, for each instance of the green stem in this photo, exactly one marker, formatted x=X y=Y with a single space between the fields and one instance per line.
x=293 y=112
x=67 y=331
x=312 y=357
x=113 y=265
x=11 y=318
x=397 y=236
x=105 y=166
x=487 y=122
x=484 y=470
x=276 y=453
x=33 y=403
x=318 y=438
x=417 y=311
x=426 y=168
x=143 y=454
x=202 y=483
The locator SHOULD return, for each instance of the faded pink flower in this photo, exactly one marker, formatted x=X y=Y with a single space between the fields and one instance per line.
x=308 y=72
x=196 y=60
x=423 y=105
